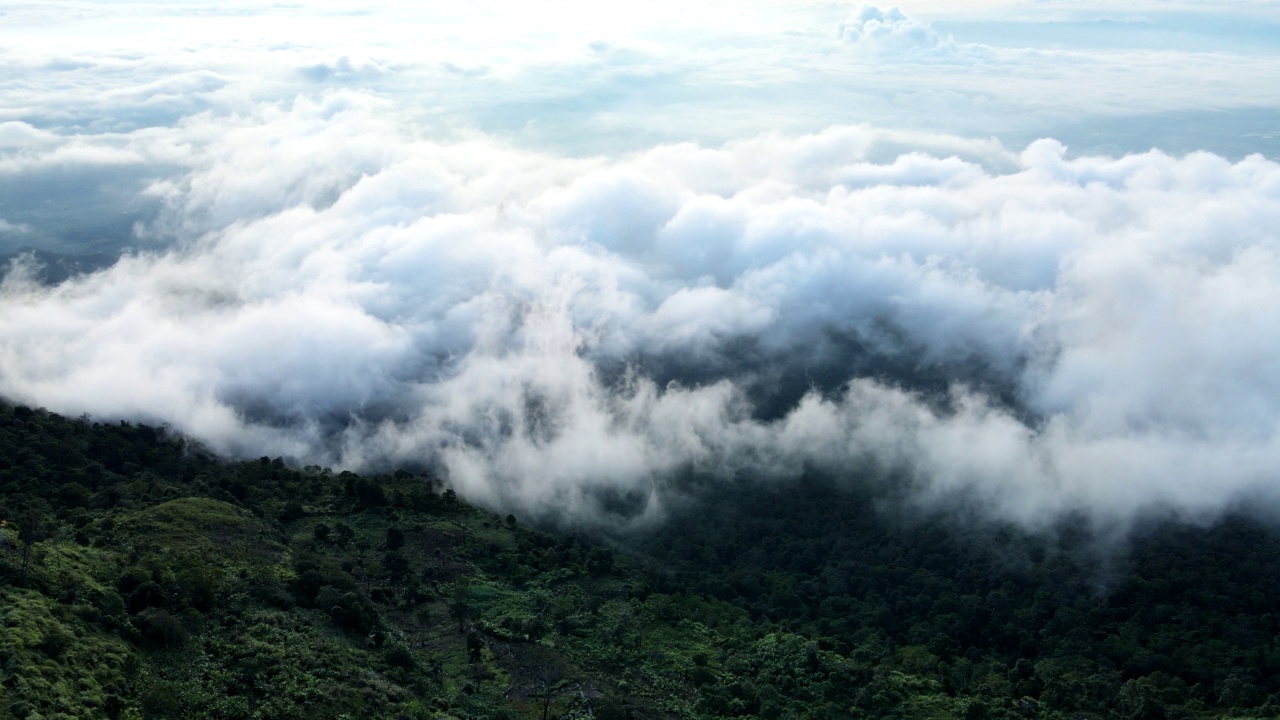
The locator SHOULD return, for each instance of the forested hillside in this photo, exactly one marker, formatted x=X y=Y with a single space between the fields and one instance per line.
x=140 y=576
x=1173 y=621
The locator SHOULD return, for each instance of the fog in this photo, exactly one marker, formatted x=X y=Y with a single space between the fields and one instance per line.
x=1049 y=334
x=301 y=263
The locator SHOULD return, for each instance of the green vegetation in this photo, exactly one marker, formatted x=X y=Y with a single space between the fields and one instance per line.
x=141 y=577
x=1181 y=622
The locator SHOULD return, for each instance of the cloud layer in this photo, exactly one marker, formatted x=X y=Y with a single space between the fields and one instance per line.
x=1036 y=333
x=585 y=79
x=578 y=259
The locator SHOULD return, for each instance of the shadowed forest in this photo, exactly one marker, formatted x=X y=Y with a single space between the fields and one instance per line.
x=143 y=577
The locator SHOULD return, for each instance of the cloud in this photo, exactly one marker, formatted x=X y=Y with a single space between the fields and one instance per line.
x=891 y=30
x=573 y=264
x=596 y=81
x=23 y=135
x=891 y=36
x=344 y=69
x=17 y=228
x=1029 y=331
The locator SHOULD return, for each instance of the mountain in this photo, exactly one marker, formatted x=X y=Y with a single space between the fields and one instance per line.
x=141 y=576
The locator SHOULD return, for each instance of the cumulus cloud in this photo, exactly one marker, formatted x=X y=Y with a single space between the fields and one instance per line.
x=888 y=35
x=1035 y=332
x=891 y=30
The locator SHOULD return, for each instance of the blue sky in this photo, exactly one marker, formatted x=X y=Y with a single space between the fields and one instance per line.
x=1023 y=252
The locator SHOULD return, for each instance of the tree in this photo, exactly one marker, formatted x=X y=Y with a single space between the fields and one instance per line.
x=31 y=529
x=547 y=677
x=343 y=533
x=462 y=606
x=397 y=566
x=475 y=646
x=395 y=538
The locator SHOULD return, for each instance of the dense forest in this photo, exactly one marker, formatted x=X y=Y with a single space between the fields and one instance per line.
x=143 y=577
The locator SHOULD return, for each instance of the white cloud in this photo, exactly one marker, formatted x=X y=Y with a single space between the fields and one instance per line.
x=8 y=227
x=561 y=257
x=339 y=291
x=892 y=31
x=622 y=78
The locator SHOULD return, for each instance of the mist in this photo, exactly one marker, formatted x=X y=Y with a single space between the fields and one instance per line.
x=575 y=267
x=1043 y=334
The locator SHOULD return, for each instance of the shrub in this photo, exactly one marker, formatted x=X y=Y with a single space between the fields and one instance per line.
x=160 y=629
x=399 y=656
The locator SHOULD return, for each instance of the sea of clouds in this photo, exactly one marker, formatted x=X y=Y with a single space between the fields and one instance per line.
x=320 y=276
